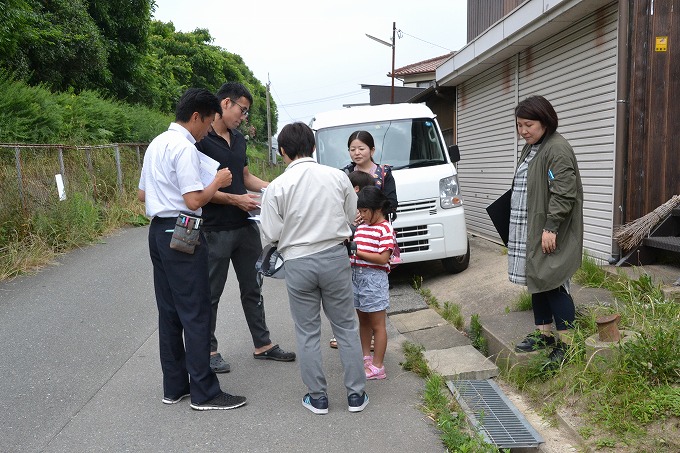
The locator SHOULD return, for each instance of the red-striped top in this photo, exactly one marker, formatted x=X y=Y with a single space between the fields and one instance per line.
x=374 y=238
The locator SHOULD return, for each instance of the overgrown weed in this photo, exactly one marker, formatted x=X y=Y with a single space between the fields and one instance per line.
x=523 y=303
x=32 y=234
x=443 y=410
x=623 y=393
x=477 y=337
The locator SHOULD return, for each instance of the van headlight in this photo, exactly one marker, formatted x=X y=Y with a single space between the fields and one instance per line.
x=449 y=193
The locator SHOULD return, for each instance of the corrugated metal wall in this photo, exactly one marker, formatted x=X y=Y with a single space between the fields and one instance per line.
x=576 y=71
x=486 y=138
x=484 y=13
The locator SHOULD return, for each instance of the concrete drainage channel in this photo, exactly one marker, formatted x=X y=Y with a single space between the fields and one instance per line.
x=468 y=372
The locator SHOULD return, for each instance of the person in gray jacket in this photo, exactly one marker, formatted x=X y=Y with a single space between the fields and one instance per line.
x=546 y=225
x=307 y=212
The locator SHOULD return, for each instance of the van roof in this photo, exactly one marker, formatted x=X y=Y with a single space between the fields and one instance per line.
x=369 y=114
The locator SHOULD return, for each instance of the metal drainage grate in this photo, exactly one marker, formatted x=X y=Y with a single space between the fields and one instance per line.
x=495 y=417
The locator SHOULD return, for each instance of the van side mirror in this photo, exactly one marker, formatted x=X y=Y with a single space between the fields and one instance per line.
x=454 y=153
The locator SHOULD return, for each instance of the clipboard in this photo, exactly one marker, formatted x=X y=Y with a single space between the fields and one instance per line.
x=499 y=213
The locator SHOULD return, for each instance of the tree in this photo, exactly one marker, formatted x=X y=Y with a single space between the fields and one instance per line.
x=189 y=59
x=124 y=24
x=61 y=46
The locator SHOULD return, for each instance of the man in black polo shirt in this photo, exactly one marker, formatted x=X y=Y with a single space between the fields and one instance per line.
x=231 y=237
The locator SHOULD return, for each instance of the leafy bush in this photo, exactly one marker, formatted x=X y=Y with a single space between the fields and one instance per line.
x=72 y=222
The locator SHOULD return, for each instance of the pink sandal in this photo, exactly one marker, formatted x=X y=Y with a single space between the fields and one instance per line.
x=373 y=372
x=368 y=360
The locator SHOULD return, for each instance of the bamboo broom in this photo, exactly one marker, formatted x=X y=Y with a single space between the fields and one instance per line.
x=631 y=234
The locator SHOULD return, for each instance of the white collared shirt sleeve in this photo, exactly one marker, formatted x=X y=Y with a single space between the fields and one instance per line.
x=271 y=221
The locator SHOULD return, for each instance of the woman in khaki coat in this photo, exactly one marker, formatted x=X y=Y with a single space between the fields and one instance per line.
x=546 y=225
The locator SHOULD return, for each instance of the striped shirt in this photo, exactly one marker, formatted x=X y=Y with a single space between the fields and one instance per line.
x=374 y=238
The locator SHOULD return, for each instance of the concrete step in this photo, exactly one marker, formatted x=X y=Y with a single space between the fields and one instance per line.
x=460 y=362
x=447 y=350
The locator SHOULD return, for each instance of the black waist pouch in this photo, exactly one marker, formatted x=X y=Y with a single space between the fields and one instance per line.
x=185 y=238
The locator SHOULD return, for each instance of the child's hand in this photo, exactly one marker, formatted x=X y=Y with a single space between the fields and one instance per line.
x=358 y=220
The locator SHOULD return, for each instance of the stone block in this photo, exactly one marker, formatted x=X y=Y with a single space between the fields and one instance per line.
x=461 y=362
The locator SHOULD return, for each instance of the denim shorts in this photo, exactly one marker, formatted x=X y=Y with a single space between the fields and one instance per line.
x=371 y=289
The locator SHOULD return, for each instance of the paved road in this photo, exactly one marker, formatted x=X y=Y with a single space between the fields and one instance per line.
x=80 y=372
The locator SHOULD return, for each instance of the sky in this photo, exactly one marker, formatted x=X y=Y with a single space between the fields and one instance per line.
x=315 y=53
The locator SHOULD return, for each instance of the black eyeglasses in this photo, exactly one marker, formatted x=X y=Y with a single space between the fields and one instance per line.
x=244 y=110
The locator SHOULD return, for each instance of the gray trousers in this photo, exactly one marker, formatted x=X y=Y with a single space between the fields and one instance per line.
x=241 y=247
x=324 y=279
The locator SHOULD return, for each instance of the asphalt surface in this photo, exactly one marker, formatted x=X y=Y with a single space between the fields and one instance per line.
x=80 y=371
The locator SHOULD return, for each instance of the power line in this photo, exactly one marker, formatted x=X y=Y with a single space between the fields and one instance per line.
x=328 y=98
x=281 y=105
x=419 y=39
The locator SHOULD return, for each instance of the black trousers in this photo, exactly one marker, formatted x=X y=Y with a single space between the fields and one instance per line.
x=183 y=300
x=555 y=303
x=242 y=247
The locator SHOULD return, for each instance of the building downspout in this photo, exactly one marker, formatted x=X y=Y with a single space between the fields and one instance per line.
x=622 y=119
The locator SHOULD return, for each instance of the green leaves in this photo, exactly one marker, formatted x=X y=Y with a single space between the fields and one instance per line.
x=114 y=49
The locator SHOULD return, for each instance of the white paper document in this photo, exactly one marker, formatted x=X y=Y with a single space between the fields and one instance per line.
x=208 y=168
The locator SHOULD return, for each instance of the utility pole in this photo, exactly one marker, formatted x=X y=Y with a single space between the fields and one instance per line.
x=394 y=42
x=392 y=45
x=272 y=155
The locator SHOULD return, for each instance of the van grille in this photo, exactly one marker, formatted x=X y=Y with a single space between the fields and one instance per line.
x=419 y=205
x=410 y=239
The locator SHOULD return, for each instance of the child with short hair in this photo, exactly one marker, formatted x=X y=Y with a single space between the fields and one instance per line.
x=375 y=241
x=361 y=179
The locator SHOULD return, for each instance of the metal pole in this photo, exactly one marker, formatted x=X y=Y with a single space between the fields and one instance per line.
x=17 y=158
x=394 y=31
x=61 y=165
x=272 y=156
x=119 y=170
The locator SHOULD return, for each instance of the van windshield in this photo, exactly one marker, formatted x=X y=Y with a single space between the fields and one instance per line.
x=400 y=143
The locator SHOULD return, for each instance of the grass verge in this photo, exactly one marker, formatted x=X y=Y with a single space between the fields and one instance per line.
x=628 y=395
x=456 y=434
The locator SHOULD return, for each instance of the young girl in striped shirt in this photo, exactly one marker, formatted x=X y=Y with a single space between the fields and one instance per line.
x=370 y=265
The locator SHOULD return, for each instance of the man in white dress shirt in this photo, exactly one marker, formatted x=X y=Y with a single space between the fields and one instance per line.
x=171 y=184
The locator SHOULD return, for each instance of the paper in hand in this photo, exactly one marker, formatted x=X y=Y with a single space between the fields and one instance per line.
x=208 y=168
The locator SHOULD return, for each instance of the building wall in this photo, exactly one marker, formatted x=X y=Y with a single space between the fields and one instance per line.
x=481 y=14
x=575 y=70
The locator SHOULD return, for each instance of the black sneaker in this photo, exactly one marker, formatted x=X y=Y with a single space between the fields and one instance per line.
x=218 y=365
x=535 y=341
x=356 y=402
x=174 y=399
x=317 y=405
x=220 y=402
x=556 y=357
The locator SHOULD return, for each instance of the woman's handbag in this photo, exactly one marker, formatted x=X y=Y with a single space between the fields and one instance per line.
x=186 y=235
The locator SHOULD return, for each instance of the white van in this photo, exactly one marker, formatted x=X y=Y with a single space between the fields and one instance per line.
x=430 y=222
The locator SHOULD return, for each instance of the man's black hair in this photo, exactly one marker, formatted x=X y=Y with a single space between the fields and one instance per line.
x=196 y=100
x=234 y=91
x=297 y=140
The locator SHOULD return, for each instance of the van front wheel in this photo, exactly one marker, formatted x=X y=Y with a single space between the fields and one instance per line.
x=457 y=264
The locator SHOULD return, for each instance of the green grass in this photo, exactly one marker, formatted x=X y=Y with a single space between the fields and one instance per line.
x=33 y=233
x=623 y=400
x=476 y=337
x=523 y=303
x=441 y=408
x=449 y=311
